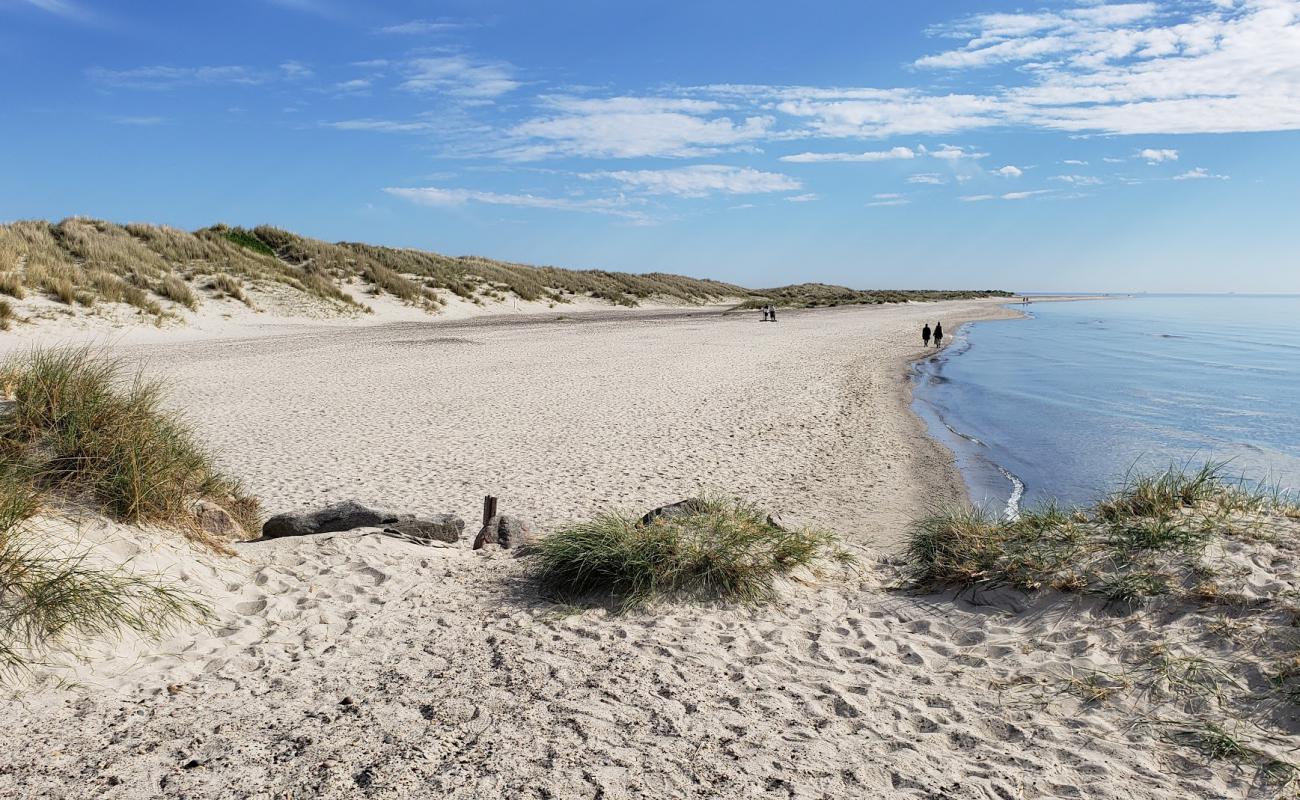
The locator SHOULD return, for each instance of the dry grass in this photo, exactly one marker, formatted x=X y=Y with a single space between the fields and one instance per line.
x=11 y=283
x=80 y=255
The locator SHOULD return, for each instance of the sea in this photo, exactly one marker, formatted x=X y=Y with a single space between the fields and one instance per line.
x=1063 y=404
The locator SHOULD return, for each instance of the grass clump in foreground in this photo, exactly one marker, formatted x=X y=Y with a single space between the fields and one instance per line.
x=1140 y=541
x=1202 y=565
x=720 y=549
x=48 y=598
x=79 y=424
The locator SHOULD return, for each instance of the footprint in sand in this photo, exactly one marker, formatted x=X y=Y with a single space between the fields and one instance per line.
x=250 y=607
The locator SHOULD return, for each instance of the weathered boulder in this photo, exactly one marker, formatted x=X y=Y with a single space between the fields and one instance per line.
x=343 y=516
x=506 y=531
x=691 y=505
x=436 y=527
x=215 y=520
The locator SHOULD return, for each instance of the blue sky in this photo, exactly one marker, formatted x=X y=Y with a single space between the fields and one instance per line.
x=1049 y=146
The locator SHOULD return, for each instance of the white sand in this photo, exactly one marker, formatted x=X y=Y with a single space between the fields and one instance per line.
x=460 y=682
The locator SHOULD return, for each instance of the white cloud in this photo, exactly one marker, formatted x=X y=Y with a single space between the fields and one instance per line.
x=872 y=155
x=460 y=76
x=1074 y=162
x=878 y=113
x=1172 y=67
x=632 y=127
x=932 y=178
x=951 y=153
x=802 y=198
x=1024 y=195
x=702 y=180
x=1009 y=171
x=1157 y=156
x=450 y=198
x=976 y=198
x=1199 y=173
x=355 y=85
x=1078 y=180
x=895 y=201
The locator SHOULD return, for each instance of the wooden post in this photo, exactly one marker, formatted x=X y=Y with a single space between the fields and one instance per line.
x=489 y=508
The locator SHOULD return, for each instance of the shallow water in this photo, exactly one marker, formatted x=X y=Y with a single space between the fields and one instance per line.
x=1062 y=404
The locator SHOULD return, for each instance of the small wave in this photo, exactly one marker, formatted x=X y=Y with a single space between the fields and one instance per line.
x=1012 y=511
x=959 y=434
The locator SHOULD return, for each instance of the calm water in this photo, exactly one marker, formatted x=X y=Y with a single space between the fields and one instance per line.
x=1061 y=405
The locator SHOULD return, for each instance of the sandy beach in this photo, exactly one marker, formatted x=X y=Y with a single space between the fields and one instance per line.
x=357 y=665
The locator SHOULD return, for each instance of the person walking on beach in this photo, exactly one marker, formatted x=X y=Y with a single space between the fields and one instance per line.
x=938 y=334
x=771 y=311
x=765 y=313
x=925 y=335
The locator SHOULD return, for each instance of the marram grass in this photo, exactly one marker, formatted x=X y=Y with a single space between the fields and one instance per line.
x=81 y=424
x=50 y=599
x=726 y=550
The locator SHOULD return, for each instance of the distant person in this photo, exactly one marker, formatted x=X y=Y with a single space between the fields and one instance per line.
x=771 y=310
x=925 y=335
x=938 y=334
x=765 y=313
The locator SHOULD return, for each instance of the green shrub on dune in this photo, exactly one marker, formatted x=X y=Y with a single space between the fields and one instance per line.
x=720 y=549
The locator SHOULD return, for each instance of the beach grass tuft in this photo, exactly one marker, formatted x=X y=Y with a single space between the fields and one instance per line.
x=83 y=424
x=722 y=549
x=49 y=599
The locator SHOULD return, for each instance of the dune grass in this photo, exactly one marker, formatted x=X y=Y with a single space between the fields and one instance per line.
x=50 y=599
x=7 y=315
x=821 y=295
x=84 y=261
x=723 y=549
x=85 y=426
x=1167 y=546
x=1137 y=542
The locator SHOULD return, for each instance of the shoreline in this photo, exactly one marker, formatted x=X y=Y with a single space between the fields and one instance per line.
x=913 y=368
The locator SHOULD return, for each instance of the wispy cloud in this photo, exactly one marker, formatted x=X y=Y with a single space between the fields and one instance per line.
x=1078 y=180
x=63 y=8
x=803 y=198
x=889 y=199
x=460 y=76
x=1199 y=173
x=631 y=127
x=417 y=27
x=143 y=122
x=702 y=180
x=448 y=198
x=872 y=155
x=1025 y=195
x=978 y=198
x=170 y=77
x=1009 y=171
x=931 y=178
